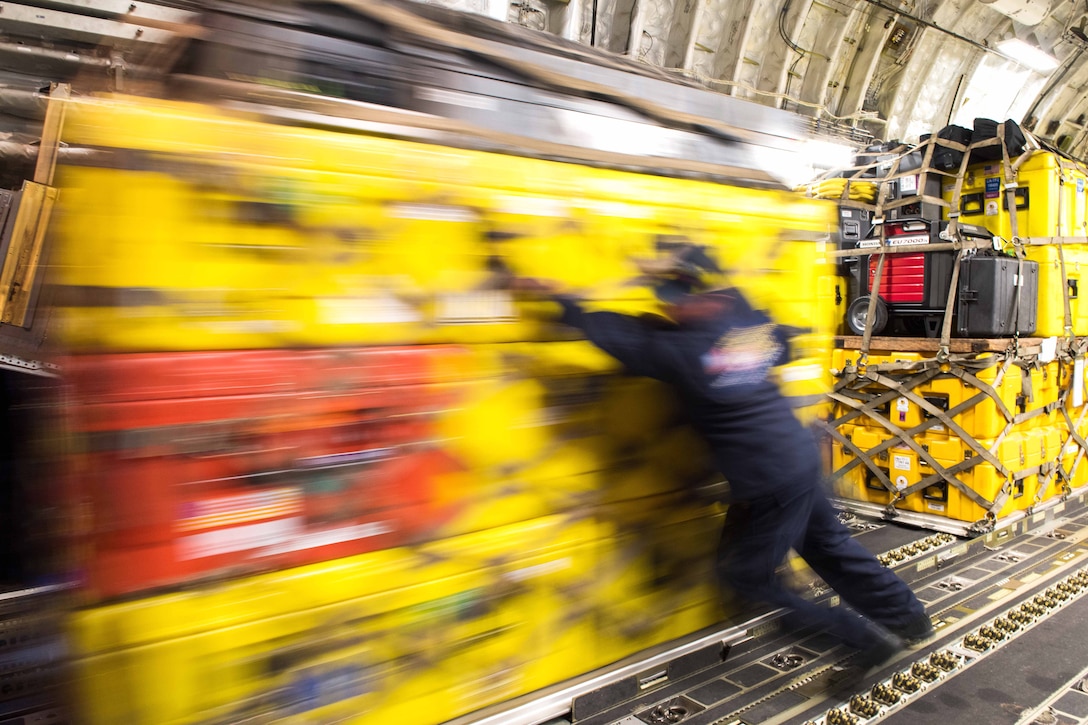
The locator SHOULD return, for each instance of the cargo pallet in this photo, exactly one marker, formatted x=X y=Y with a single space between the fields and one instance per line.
x=1037 y=515
x=939 y=424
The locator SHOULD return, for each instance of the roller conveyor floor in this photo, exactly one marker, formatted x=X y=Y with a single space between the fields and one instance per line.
x=1011 y=612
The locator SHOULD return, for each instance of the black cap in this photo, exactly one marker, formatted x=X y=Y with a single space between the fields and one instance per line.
x=673 y=291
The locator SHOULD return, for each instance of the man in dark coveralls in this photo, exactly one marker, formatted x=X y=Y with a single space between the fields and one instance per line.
x=718 y=358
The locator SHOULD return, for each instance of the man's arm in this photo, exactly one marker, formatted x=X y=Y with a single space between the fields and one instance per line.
x=626 y=338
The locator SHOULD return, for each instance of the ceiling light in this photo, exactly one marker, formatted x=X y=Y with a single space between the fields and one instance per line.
x=1027 y=55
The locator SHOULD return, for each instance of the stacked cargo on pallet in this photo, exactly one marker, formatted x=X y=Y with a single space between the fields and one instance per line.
x=970 y=430
x=328 y=466
x=974 y=438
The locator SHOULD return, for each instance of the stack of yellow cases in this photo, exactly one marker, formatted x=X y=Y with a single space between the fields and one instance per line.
x=1020 y=448
x=560 y=542
x=1050 y=197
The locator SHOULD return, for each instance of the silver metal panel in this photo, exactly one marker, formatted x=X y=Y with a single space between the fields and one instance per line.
x=40 y=22
x=538 y=708
x=771 y=126
x=604 y=128
x=115 y=8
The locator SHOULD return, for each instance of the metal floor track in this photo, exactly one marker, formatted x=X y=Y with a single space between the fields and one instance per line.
x=1011 y=612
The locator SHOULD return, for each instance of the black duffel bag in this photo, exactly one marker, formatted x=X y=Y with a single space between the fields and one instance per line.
x=944 y=158
x=986 y=128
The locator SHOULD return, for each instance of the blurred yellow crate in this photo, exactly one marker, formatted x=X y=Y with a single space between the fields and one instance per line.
x=558 y=359
x=363 y=240
x=475 y=502
x=426 y=634
x=657 y=577
x=635 y=410
x=178 y=322
x=806 y=382
x=510 y=410
x=228 y=635
x=680 y=455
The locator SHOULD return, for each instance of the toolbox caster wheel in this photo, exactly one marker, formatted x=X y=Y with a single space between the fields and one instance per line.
x=859 y=309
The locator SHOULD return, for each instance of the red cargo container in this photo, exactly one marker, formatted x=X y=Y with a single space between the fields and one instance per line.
x=199 y=464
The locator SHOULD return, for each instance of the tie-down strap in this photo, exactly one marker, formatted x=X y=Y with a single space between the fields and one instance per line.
x=854 y=392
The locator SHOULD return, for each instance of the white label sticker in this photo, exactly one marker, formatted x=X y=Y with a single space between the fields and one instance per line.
x=238 y=538
x=432 y=212
x=487 y=306
x=901 y=463
x=312 y=540
x=908 y=185
x=536 y=570
x=902 y=241
x=932 y=506
x=793 y=374
x=532 y=206
x=365 y=311
x=992 y=208
x=902 y=405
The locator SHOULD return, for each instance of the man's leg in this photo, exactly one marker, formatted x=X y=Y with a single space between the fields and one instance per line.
x=757 y=536
x=855 y=574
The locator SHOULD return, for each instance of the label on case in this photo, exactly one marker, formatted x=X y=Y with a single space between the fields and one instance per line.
x=314 y=539
x=365 y=311
x=230 y=509
x=238 y=538
x=489 y=306
x=901 y=463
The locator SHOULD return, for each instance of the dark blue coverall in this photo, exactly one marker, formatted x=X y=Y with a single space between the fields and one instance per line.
x=720 y=368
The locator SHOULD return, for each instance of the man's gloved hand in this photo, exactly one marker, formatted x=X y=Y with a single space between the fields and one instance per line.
x=535 y=286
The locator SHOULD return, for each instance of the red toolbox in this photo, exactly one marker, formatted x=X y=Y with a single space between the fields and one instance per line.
x=194 y=465
x=914 y=285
